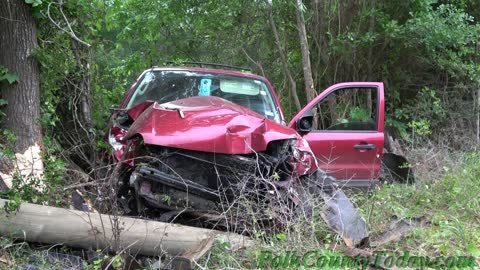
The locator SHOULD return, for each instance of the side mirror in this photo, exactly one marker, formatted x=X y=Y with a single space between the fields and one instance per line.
x=305 y=123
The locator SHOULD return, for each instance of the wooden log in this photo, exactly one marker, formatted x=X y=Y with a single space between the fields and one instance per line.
x=51 y=225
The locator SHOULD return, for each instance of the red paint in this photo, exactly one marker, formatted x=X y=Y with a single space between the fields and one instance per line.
x=212 y=124
x=207 y=124
x=335 y=150
x=335 y=154
x=338 y=86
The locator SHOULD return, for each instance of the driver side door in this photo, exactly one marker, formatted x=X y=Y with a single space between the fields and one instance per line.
x=344 y=126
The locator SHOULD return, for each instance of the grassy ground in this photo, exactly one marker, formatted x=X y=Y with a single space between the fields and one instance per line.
x=451 y=205
x=449 y=201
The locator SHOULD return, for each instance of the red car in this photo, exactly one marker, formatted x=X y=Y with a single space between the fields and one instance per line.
x=192 y=132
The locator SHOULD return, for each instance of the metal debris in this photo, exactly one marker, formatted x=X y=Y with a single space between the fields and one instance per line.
x=342 y=217
x=398 y=229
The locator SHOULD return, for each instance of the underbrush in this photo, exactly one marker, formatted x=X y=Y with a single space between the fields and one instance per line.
x=447 y=198
x=449 y=202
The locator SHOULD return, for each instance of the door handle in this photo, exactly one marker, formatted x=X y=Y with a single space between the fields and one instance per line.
x=364 y=146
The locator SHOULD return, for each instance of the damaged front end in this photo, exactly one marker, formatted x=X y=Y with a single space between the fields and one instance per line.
x=211 y=161
x=200 y=154
x=205 y=184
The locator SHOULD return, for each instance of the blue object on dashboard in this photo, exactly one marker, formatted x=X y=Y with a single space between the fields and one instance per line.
x=205 y=85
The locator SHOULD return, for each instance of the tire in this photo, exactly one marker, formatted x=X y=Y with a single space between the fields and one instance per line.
x=386 y=174
x=396 y=169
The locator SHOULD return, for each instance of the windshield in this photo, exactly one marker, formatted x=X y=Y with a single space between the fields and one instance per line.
x=167 y=86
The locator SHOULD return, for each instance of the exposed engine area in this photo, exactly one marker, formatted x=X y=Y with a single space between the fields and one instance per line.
x=173 y=179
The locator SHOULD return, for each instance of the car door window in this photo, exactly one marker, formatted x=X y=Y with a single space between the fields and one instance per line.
x=347 y=109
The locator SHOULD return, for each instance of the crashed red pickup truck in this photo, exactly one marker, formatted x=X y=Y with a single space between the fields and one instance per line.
x=192 y=132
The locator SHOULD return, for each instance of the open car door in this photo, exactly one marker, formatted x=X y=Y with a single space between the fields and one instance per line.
x=344 y=126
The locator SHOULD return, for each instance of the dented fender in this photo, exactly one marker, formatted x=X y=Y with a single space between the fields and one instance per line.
x=213 y=124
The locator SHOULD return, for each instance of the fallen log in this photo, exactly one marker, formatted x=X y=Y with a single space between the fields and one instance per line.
x=51 y=225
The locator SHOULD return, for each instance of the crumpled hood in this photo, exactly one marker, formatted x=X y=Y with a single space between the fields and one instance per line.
x=206 y=123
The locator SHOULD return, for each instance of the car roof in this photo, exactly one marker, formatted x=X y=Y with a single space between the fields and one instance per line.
x=211 y=70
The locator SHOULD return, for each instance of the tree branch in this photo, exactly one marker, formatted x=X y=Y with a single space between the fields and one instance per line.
x=70 y=32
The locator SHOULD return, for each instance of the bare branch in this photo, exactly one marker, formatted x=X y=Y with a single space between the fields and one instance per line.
x=70 y=31
x=254 y=62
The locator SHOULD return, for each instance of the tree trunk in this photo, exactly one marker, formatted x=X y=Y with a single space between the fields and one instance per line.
x=17 y=45
x=307 y=69
x=478 y=115
x=52 y=225
x=83 y=86
x=371 y=28
x=283 y=58
x=319 y=38
x=476 y=98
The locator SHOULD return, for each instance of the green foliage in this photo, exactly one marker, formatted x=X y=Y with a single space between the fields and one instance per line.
x=448 y=34
x=428 y=105
x=422 y=115
x=103 y=260
x=32 y=189
x=359 y=114
x=450 y=203
x=281 y=237
x=13 y=204
x=10 y=78
x=57 y=63
x=34 y=3
x=421 y=127
x=409 y=45
x=221 y=255
x=26 y=190
x=8 y=140
x=426 y=52
x=7 y=76
x=54 y=173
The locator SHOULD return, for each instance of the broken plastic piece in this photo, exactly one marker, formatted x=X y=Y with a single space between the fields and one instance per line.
x=342 y=217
